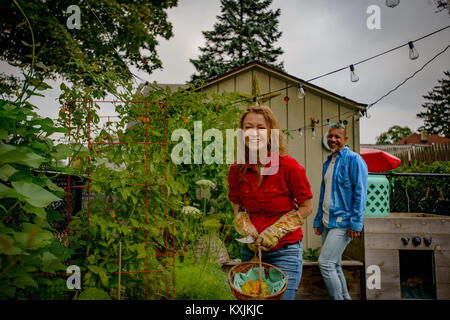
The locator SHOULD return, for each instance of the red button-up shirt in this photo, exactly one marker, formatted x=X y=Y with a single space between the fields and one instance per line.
x=274 y=197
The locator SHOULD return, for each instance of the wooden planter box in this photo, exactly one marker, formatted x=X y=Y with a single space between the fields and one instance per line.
x=381 y=245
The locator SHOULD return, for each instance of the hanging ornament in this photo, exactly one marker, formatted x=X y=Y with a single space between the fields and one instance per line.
x=286 y=99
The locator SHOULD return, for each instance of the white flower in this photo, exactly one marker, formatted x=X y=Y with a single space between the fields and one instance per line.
x=206 y=183
x=190 y=210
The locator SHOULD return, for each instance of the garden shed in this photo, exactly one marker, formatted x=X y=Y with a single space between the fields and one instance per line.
x=305 y=119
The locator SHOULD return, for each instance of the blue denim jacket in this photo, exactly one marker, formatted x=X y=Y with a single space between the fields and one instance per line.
x=349 y=192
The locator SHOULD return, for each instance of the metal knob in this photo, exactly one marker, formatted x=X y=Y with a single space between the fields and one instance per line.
x=405 y=240
x=416 y=241
x=427 y=241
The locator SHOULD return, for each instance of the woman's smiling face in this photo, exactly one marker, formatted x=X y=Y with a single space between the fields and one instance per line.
x=255 y=131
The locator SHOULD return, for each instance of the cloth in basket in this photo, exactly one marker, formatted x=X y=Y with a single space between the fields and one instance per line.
x=275 y=281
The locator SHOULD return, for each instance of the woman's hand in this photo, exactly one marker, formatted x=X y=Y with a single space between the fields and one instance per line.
x=244 y=226
x=317 y=231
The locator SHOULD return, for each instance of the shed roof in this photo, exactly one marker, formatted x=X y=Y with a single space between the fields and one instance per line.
x=288 y=77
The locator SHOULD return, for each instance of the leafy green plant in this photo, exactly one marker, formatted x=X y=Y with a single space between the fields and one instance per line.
x=311 y=254
x=200 y=280
x=30 y=255
x=140 y=203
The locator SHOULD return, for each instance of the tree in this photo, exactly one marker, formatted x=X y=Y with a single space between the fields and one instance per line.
x=125 y=31
x=442 y=5
x=436 y=116
x=394 y=134
x=246 y=31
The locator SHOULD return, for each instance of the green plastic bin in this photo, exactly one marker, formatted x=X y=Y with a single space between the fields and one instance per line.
x=377 y=204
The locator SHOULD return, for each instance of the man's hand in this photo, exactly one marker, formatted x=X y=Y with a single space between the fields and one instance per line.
x=317 y=231
x=353 y=233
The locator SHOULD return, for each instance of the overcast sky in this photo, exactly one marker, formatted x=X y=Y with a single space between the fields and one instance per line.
x=324 y=35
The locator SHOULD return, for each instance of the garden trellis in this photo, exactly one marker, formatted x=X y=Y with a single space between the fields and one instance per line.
x=97 y=140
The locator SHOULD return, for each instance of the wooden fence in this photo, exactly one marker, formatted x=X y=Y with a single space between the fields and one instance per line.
x=429 y=153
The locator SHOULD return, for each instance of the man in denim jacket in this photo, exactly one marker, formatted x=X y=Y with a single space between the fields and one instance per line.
x=342 y=202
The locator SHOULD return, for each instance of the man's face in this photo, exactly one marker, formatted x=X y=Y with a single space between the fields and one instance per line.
x=336 y=139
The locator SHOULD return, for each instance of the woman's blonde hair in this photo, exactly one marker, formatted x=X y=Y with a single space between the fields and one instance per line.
x=272 y=123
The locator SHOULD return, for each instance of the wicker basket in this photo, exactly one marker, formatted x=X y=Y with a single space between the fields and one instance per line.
x=244 y=267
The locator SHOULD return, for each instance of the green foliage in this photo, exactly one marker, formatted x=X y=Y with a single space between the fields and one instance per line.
x=436 y=115
x=138 y=203
x=110 y=29
x=394 y=134
x=246 y=31
x=311 y=254
x=30 y=255
x=135 y=216
x=200 y=280
x=434 y=167
x=420 y=193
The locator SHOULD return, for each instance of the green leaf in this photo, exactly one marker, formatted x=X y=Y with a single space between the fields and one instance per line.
x=103 y=278
x=94 y=269
x=6 y=192
x=53 y=215
x=47 y=256
x=94 y=294
x=3 y=134
x=7 y=246
x=6 y=171
x=40 y=212
x=34 y=194
x=24 y=282
x=20 y=155
x=62 y=151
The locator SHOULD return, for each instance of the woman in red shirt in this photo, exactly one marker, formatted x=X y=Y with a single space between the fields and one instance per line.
x=277 y=196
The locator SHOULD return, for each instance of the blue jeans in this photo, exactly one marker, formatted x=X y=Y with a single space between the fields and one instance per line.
x=288 y=258
x=334 y=242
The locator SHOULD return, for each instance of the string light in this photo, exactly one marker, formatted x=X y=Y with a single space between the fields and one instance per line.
x=413 y=53
x=301 y=91
x=353 y=76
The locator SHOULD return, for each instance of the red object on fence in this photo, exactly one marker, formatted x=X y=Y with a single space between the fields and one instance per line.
x=378 y=160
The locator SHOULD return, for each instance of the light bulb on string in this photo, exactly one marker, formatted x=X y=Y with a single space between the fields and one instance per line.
x=255 y=100
x=353 y=75
x=313 y=134
x=300 y=132
x=392 y=3
x=413 y=53
x=301 y=91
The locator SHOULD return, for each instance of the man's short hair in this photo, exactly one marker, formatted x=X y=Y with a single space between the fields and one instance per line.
x=338 y=126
